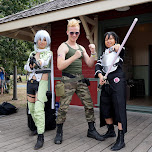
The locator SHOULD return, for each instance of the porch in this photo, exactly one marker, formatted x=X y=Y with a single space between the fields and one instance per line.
x=14 y=134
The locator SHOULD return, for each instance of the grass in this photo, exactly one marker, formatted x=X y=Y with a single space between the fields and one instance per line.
x=23 y=77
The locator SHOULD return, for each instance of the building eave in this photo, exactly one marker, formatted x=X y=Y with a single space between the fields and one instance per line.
x=76 y=11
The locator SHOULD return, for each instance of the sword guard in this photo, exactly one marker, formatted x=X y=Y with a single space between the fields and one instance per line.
x=99 y=87
x=104 y=78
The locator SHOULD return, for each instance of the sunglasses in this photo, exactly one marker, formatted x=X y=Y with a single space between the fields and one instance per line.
x=72 y=33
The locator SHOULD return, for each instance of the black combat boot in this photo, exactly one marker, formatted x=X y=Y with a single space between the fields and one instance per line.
x=59 y=134
x=110 y=132
x=119 y=141
x=40 y=142
x=92 y=133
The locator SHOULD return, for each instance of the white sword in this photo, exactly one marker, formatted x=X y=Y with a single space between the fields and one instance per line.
x=120 y=48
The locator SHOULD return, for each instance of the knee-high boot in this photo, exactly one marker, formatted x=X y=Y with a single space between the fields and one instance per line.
x=40 y=142
x=92 y=133
x=59 y=134
x=119 y=141
x=110 y=132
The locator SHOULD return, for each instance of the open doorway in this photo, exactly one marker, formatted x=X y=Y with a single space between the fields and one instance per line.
x=138 y=62
x=150 y=70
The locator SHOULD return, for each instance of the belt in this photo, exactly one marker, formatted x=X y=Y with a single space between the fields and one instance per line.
x=33 y=81
x=68 y=75
x=73 y=77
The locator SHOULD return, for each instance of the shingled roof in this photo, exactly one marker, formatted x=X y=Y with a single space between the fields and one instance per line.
x=43 y=8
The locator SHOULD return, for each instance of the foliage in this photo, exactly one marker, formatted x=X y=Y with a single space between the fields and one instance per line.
x=12 y=51
x=9 y=7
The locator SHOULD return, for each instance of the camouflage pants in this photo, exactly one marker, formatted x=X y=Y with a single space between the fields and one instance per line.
x=83 y=93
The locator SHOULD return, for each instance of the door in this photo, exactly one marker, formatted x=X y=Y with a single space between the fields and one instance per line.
x=150 y=70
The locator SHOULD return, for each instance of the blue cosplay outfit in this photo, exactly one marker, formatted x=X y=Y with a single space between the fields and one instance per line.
x=2 y=78
x=113 y=93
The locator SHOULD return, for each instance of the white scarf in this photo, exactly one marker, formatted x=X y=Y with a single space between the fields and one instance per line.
x=41 y=50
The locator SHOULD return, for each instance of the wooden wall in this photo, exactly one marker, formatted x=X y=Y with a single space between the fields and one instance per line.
x=58 y=35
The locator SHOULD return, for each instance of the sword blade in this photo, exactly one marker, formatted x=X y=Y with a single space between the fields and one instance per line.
x=121 y=46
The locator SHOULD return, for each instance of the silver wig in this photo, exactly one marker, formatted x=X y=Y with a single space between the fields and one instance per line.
x=40 y=35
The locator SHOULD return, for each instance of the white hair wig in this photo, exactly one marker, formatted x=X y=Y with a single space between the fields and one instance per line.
x=40 y=35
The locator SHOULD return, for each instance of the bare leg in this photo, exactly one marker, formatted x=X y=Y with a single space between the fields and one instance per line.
x=119 y=126
x=109 y=121
x=1 y=90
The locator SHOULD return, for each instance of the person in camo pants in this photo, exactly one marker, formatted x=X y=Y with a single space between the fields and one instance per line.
x=82 y=91
x=69 y=61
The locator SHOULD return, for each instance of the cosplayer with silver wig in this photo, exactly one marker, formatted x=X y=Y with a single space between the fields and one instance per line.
x=40 y=35
x=37 y=85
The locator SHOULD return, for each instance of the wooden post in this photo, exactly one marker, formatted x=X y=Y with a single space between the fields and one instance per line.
x=91 y=35
x=15 y=83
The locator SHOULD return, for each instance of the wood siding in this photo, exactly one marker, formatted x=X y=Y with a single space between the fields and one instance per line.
x=58 y=35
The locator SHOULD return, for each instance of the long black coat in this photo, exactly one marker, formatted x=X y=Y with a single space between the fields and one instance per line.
x=114 y=94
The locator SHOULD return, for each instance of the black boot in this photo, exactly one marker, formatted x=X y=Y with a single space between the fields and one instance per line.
x=110 y=132
x=59 y=134
x=92 y=133
x=119 y=142
x=40 y=142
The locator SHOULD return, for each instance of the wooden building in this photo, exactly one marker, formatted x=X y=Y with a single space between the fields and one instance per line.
x=97 y=17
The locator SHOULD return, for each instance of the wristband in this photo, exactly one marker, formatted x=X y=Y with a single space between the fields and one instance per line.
x=93 y=55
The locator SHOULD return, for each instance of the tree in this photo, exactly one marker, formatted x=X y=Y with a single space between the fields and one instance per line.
x=9 y=7
x=12 y=51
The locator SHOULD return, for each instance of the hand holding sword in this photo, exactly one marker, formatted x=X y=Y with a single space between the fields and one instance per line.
x=118 y=52
x=102 y=79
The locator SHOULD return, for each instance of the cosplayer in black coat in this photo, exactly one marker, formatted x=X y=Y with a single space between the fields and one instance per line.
x=113 y=92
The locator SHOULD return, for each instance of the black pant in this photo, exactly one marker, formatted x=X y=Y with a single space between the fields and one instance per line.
x=113 y=102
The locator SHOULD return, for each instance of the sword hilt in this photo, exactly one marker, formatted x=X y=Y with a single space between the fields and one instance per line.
x=100 y=86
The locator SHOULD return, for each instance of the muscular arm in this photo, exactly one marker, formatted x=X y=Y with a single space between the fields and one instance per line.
x=88 y=60
x=61 y=62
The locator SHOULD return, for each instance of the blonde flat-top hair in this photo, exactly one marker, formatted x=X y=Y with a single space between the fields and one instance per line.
x=73 y=22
